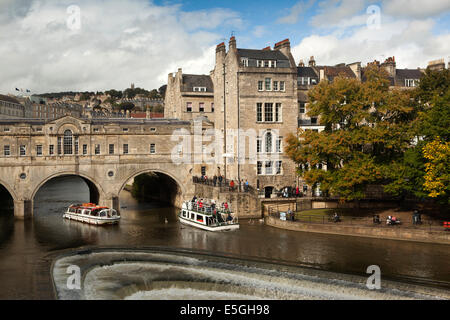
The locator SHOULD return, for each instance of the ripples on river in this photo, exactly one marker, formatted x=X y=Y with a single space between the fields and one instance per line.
x=24 y=246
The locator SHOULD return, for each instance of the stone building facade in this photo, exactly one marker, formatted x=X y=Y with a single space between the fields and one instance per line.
x=11 y=108
x=264 y=91
x=106 y=153
x=251 y=99
x=189 y=96
x=256 y=99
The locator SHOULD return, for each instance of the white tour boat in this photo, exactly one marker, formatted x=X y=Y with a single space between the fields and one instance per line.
x=91 y=213
x=208 y=217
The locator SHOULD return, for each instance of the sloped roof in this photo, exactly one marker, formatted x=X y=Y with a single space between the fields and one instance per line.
x=306 y=72
x=261 y=54
x=332 y=72
x=408 y=74
x=8 y=99
x=196 y=80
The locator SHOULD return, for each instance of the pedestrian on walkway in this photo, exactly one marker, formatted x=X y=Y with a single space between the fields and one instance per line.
x=232 y=185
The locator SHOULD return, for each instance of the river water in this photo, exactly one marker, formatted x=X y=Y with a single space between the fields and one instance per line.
x=28 y=248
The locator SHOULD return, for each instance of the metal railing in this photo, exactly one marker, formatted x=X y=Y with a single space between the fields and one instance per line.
x=425 y=224
x=224 y=184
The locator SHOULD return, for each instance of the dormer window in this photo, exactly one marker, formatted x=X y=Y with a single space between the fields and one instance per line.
x=244 y=62
x=411 y=82
x=266 y=63
x=199 y=89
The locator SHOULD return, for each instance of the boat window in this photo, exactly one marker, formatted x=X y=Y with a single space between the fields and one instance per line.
x=113 y=212
x=94 y=213
x=103 y=213
x=199 y=218
x=192 y=216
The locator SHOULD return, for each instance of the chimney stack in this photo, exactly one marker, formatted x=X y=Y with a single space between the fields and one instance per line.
x=285 y=48
x=282 y=44
x=232 y=44
x=220 y=47
x=312 y=62
x=301 y=63
x=390 y=66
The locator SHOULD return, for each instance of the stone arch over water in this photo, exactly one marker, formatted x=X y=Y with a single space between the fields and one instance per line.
x=169 y=190
x=96 y=193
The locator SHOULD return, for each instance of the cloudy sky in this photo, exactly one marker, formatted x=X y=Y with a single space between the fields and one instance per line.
x=95 y=45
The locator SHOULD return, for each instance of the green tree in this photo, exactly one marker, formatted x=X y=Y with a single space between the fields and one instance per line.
x=432 y=97
x=114 y=94
x=126 y=106
x=367 y=127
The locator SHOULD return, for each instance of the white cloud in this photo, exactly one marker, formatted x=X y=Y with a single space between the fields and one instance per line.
x=209 y=18
x=334 y=12
x=259 y=31
x=296 y=11
x=410 y=41
x=415 y=8
x=119 y=43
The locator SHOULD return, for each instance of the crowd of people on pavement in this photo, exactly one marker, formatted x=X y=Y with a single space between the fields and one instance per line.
x=219 y=181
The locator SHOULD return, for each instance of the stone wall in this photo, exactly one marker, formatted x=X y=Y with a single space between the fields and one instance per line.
x=244 y=204
x=364 y=231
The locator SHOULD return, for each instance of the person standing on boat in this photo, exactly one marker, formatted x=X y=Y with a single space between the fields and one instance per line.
x=225 y=205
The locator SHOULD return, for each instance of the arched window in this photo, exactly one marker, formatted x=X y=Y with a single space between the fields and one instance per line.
x=268 y=143
x=68 y=142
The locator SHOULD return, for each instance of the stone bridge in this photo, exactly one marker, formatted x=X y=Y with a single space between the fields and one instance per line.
x=105 y=153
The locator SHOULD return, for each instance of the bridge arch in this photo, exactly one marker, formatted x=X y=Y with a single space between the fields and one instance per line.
x=179 y=192
x=96 y=192
x=10 y=190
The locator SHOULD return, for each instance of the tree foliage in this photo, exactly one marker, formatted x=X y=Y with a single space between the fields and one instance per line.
x=437 y=167
x=373 y=134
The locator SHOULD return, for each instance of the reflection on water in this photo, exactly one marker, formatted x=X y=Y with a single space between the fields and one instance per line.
x=24 y=268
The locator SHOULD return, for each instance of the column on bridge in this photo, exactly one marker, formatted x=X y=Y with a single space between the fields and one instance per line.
x=111 y=202
x=23 y=209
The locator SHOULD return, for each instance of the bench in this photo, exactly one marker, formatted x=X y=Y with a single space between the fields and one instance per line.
x=447 y=225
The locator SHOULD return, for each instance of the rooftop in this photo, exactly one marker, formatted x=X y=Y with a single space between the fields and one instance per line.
x=8 y=99
x=262 y=54
x=196 y=80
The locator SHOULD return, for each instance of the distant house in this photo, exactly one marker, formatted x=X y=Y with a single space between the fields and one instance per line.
x=10 y=108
